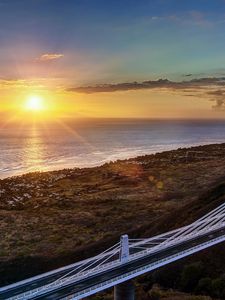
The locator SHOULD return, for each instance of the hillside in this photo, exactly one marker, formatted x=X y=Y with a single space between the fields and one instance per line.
x=55 y=218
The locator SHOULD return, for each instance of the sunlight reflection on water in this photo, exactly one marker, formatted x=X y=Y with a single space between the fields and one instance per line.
x=79 y=145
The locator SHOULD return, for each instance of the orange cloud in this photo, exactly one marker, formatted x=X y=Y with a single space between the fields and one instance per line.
x=210 y=88
x=50 y=56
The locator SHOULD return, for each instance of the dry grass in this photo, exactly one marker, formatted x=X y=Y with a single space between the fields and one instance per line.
x=56 y=213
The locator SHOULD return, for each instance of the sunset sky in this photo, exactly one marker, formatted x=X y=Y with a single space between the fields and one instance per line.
x=98 y=58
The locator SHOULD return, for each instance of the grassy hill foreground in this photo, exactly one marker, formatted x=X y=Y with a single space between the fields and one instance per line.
x=51 y=219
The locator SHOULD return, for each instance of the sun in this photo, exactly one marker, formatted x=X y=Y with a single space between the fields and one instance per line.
x=34 y=103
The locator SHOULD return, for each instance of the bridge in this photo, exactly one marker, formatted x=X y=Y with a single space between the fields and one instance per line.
x=118 y=265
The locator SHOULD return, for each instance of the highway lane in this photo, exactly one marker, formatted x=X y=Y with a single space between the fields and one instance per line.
x=46 y=279
x=91 y=281
x=50 y=277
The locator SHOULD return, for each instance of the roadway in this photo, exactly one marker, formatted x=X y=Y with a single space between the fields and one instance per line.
x=47 y=278
x=114 y=272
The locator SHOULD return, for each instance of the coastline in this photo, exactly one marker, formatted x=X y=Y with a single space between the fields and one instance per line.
x=111 y=159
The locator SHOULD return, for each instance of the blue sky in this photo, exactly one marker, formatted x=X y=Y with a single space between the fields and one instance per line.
x=127 y=39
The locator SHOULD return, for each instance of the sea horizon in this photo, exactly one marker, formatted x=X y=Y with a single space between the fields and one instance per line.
x=93 y=142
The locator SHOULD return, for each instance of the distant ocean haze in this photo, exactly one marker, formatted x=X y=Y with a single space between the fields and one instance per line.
x=92 y=143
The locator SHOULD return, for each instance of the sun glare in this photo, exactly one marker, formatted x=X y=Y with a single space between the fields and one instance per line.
x=34 y=103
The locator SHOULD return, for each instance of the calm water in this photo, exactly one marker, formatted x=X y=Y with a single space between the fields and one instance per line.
x=93 y=143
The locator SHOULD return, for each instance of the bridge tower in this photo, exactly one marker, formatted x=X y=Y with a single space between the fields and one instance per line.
x=124 y=248
x=125 y=290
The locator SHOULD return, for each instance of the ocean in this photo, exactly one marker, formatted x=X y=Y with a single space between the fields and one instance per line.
x=93 y=142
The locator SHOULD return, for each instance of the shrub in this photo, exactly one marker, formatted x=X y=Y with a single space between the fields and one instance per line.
x=218 y=287
x=155 y=293
x=190 y=276
x=204 y=286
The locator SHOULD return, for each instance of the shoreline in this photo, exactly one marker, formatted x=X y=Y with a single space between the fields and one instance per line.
x=112 y=159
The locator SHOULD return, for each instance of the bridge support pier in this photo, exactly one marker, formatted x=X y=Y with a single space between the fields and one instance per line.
x=124 y=291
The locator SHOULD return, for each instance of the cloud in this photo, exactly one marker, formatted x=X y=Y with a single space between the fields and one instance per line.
x=216 y=93
x=49 y=57
x=187 y=75
x=219 y=97
x=9 y=84
x=209 y=88
x=193 y=17
x=12 y=83
x=151 y=84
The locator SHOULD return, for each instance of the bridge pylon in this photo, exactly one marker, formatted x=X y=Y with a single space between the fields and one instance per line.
x=124 y=248
x=125 y=290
